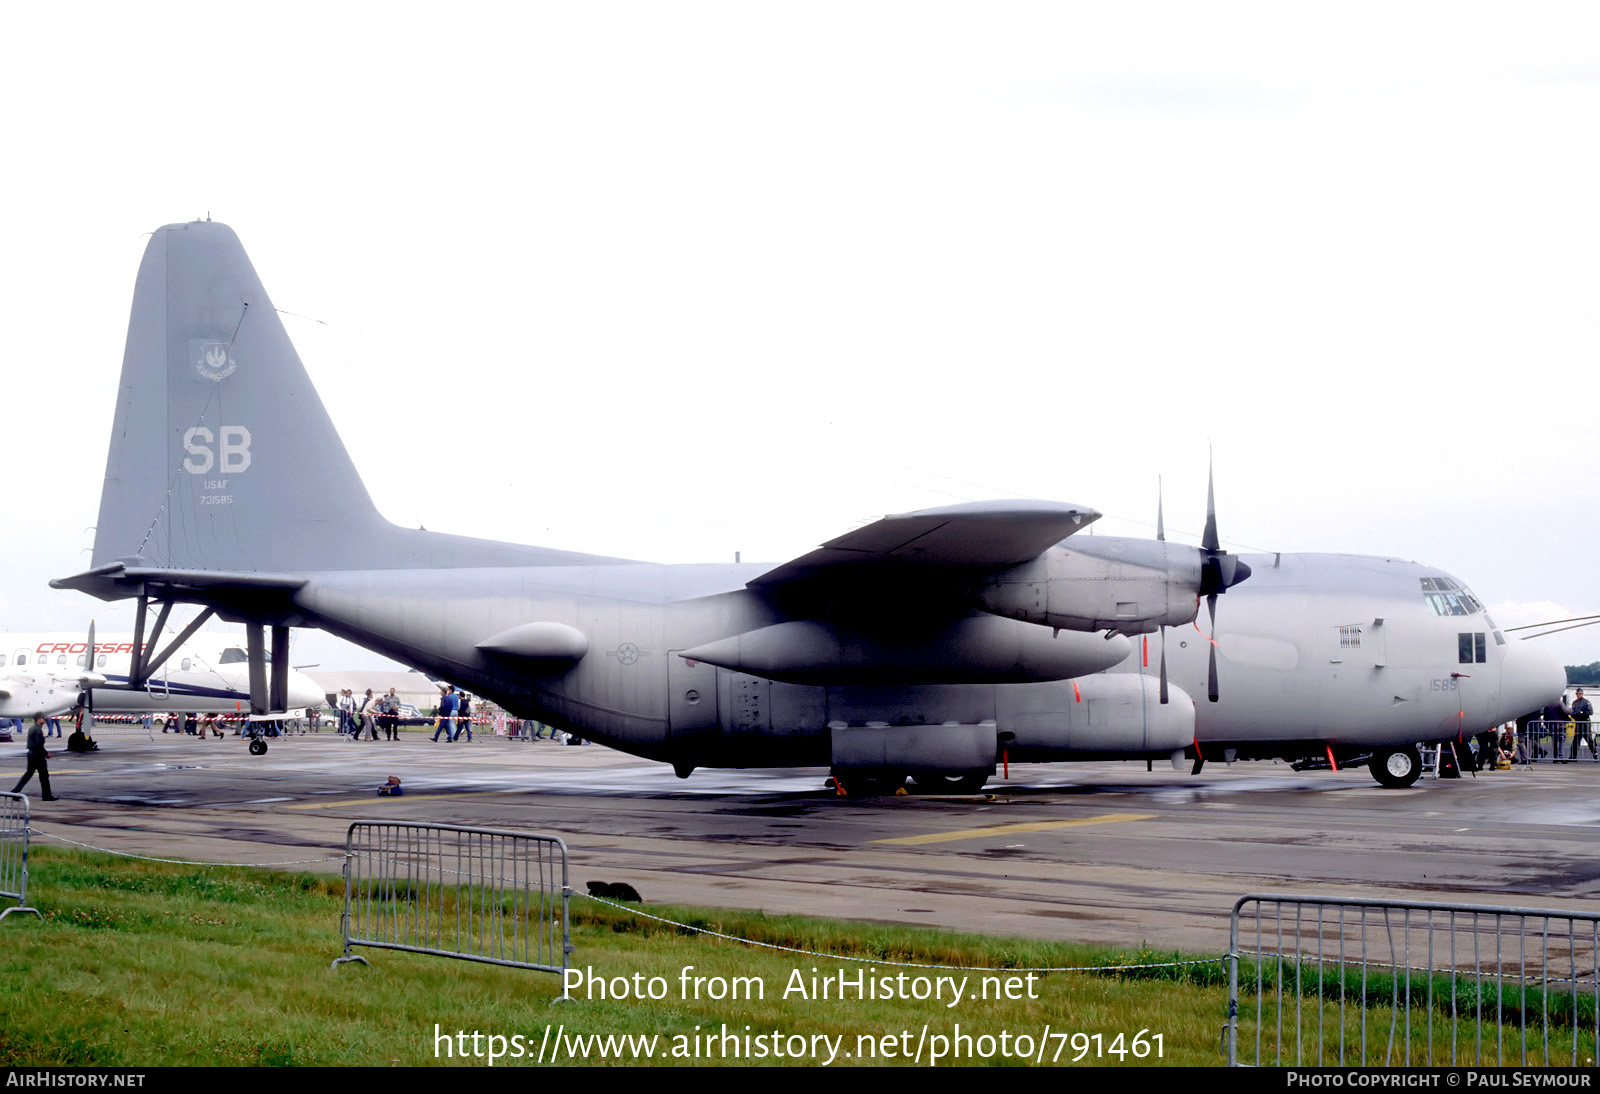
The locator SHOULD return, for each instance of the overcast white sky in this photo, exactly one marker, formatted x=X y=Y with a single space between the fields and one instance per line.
x=681 y=280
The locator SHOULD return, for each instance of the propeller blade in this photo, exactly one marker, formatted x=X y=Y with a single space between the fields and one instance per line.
x=88 y=666
x=1219 y=571
x=1209 y=540
x=1161 y=537
x=1211 y=676
x=1163 y=665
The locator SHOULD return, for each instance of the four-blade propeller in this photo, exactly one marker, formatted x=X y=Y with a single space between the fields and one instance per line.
x=1219 y=572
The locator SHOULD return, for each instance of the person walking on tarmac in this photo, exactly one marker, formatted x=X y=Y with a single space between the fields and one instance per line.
x=37 y=758
x=447 y=710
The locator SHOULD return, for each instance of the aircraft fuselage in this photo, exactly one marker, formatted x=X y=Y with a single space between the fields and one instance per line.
x=1315 y=650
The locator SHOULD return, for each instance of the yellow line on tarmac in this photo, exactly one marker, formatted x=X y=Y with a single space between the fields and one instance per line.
x=1009 y=829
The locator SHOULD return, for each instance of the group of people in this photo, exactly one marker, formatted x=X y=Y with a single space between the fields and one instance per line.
x=372 y=714
x=1553 y=724
x=1541 y=735
x=369 y=714
x=455 y=714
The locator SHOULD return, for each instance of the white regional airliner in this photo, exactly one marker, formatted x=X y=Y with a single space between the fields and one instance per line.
x=46 y=673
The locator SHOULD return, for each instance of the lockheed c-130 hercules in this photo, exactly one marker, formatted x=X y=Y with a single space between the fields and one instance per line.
x=932 y=644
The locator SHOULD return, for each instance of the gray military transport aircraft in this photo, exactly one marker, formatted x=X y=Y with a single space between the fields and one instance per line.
x=933 y=644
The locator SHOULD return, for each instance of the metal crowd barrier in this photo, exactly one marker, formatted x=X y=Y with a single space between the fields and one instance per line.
x=14 y=834
x=1556 y=742
x=478 y=894
x=1317 y=982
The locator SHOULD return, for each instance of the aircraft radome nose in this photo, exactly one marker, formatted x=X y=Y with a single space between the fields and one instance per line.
x=304 y=693
x=1531 y=678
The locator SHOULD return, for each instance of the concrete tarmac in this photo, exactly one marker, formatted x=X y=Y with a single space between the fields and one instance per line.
x=1100 y=852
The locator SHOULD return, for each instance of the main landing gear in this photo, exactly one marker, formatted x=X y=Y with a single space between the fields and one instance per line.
x=1396 y=767
x=860 y=785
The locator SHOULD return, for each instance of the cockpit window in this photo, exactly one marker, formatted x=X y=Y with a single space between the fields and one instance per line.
x=233 y=655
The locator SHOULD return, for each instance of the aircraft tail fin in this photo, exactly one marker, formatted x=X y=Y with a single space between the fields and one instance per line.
x=223 y=457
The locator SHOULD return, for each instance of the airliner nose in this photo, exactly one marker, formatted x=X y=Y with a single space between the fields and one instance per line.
x=1530 y=678
x=303 y=692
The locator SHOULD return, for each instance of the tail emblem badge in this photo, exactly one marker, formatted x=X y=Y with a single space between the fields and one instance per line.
x=213 y=360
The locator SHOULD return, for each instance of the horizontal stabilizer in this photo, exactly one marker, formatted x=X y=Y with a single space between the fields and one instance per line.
x=119 y=581
x=980 y=536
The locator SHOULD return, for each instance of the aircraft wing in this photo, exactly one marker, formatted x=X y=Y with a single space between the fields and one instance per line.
x=973 y=536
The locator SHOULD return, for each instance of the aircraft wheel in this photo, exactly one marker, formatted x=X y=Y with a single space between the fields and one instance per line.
x=942 y=782
x=258 y=747
x=1396 y=767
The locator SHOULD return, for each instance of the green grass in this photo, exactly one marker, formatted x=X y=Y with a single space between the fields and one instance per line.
x=145 y=964
x=140 y=963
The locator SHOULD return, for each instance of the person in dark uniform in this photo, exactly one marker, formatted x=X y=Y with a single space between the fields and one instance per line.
x=1582 y=711
x=37 y=758
x=1555 y=727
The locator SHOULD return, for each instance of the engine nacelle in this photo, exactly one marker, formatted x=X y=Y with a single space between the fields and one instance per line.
x=976 y=650
x=25 y=697
x=1094 y=583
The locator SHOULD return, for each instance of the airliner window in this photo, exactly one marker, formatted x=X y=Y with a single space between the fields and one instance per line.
x=2 y=660
x=185 y=666
x=1472 y=648
x=22 y=659
x=100 y=661
x=82 y=660
x=61 y=659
